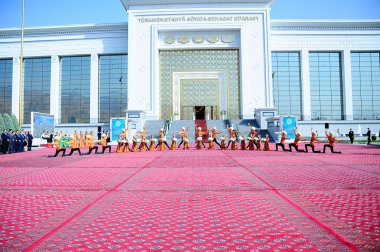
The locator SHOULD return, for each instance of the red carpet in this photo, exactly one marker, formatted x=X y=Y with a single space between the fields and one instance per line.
x=196 y=200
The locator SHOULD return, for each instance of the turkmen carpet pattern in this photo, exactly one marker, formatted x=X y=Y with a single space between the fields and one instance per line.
x=196 y=200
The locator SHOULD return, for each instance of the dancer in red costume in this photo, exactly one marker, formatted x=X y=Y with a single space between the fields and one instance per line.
x=266 y=143
x=253 y=131
x=258 y=143
x=243 y=145
x=332 y=139
x=313 y=139
x=282 y=141
x=296 y=141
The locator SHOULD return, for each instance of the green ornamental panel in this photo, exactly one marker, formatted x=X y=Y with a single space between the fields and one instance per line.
x=209 y=60
x=199 y=92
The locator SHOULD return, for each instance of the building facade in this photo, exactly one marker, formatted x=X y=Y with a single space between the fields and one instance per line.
x=177 y=59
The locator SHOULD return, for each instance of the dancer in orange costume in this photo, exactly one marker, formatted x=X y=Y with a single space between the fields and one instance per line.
x=296 y=141
x=232 y=140
x=313 y=139
x=91 y=145
x=266 y=143
x=214 y=135
x=174 y=143
x=282 y=141
x=243 y=145
x=119 y=146
x=82 y=139
x=74 y=145
x=122 y=140
x=85 y=135
x=142 y=134
x=162 y=140
x=223 y=142
x=211 y=143
x=186 y=143
x=183 y=134
x=58 y=147
x=258 y=143
x=200 y=133
x=125 y=141
x=135 y=143
x=332 y=139
x=103 y=140
x=152 y=141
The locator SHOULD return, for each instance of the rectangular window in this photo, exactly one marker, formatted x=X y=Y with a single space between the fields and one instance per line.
x=75 y=89
x=365 y=71
x=6 y=68
x=36 y=87
x=326 y=86
x=286 y=73
x=113 y=86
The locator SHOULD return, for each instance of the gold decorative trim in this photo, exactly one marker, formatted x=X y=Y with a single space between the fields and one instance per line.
x=213 y=39
x=184 y=40
x=169 y=40
x=199 y=39
x=228 y=39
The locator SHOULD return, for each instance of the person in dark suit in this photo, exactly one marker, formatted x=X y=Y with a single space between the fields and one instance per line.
x=10 y=144
x=369 y=136
x=16 y=141
x=29 y=139
x=351 y=135
x=5 y=141
x=23 y=143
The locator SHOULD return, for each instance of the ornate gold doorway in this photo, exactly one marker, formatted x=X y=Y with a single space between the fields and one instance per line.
x=200 y=99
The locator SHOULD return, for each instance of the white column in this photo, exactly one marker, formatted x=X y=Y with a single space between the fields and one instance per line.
x=94 y=88
x=16 y=87
x=347 y=85
x=54 y=88
x=305 y=88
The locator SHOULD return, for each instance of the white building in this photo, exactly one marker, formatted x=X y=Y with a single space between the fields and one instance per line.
x=178 y=57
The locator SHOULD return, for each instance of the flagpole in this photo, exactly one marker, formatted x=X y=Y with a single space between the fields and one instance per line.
x=21 y=66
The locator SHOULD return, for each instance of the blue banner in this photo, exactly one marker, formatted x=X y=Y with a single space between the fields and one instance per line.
x=117 y=125
x=288 y=124
x=42 y=122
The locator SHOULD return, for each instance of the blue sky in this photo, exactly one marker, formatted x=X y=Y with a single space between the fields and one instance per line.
x=66 y=12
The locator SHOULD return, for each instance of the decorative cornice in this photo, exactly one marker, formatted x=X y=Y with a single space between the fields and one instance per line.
x=325 y=25
x=128 y=3
x=64 y=30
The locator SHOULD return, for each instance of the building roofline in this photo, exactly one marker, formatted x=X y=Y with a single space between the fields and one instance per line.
x=65 y=29
x=325 y=24
x=129 y=3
